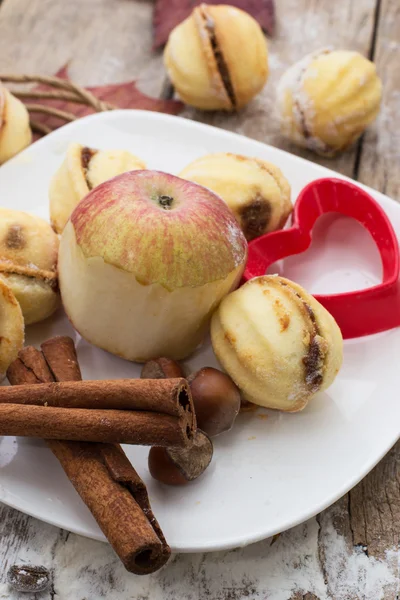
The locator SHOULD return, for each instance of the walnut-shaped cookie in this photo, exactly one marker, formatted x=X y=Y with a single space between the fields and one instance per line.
x=28 y=263
x=11 y=328
x=15 y=132
x=326 y=100
x=83 y=169
x=277 y=342
x=255 y=190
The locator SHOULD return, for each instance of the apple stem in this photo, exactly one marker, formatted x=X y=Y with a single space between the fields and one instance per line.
x=165 y=202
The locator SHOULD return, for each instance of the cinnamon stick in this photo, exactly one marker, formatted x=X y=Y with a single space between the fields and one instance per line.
x=128 y=411
x=60 y=355
x=162 y=396
x=118 y=503
x=110 y=426
x=101 y=473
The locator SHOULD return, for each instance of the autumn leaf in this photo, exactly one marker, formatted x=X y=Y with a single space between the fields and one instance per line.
x=120 y=95
x=169 y=13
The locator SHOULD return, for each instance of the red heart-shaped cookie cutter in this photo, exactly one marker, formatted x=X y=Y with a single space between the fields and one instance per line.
x=358 y=313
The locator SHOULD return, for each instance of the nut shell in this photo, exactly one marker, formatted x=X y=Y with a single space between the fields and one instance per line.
x=255 y=190
x=15 y=132
x=217 y=58
x=161 y=368
x=163 y=469
x=216 y=400
x=178 y=466
x=327 y=100
x=278 y=344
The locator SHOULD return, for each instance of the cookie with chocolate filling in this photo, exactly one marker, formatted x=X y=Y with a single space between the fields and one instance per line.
x=217 y=58
x=327 y=99
x=11 y=328
x=255 y=190
x=83 y=169
x=279 y=344
x=15 y=131
x=28 y=263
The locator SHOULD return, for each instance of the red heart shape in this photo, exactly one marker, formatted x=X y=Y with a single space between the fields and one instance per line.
x=358 y=313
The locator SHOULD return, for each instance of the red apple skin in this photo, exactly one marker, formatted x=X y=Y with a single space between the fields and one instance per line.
x=195 y=241
x=145 y=260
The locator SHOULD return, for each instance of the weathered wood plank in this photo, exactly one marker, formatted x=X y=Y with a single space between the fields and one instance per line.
x=302 y=26
x=380 y=157
x=359 y=537
x=102 y=41
x=289 y=568
x=84 y=569
x=372 y=522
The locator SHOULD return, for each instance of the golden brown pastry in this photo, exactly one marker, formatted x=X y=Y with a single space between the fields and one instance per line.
x=11 y=328
x=279 y=345
x=255 y=190
x=217 y=58
x=15 y=132
x=327 y=100
x=28 y=263
x=83 y=169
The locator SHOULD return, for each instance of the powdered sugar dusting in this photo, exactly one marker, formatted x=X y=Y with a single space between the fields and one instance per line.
x=352 y=573
x=289 y=567
x=237 y=242
x=303 y=106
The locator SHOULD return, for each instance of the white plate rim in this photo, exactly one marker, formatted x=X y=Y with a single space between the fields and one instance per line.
x=229 y=135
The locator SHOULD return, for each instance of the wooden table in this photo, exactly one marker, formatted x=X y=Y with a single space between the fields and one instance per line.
x=351 y=550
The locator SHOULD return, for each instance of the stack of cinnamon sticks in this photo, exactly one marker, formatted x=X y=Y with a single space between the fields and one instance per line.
x=82 y=421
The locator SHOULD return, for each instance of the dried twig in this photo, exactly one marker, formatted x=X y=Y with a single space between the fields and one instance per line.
x=49 y=110
x=62 y=89
x=56 y=82
x=66 y=96
x=39 y=127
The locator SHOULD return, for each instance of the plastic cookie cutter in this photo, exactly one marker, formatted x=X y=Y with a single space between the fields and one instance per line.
x=358 y=313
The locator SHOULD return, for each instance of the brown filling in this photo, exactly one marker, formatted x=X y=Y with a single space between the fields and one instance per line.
x=86 y=156
x=255 y=217
x=9 y=268
x=15 y=240
x=220 y=60
x=303 y=123
x=314 y=359
x=313 y=362
x=304 y=128
x=15 y=237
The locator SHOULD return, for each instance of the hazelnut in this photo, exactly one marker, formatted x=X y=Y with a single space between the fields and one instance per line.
x=217 y=58
x=161 y=368
x=178 y=466
x=216 y=400
x=246 y=406
x=327 y=100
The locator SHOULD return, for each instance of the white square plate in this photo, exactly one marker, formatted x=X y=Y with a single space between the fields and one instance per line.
x=268 y=474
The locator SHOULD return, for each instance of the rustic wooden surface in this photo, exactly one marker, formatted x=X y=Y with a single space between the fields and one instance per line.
x=350 y=551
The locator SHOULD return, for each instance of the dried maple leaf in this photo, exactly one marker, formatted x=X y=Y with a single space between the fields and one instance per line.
x=120 y=95
x=169 y=13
